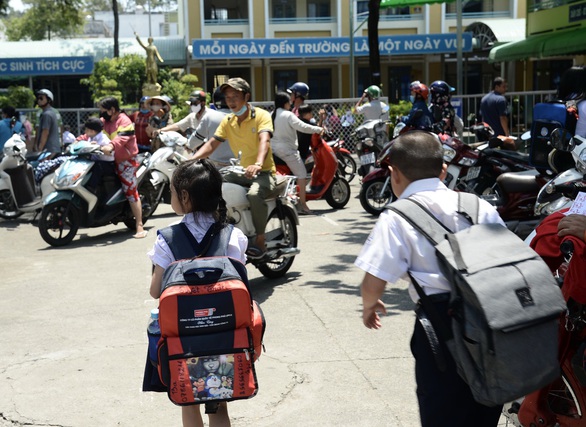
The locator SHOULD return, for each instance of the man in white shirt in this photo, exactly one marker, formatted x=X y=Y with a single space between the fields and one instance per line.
x=374 y=109
x=189 y=123
x=395 y=248
x=206 y=128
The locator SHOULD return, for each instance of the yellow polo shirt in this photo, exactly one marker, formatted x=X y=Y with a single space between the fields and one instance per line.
x=244 y=136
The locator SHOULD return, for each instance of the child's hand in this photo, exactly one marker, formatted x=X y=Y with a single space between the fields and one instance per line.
x=370 y=316
x=107 y=149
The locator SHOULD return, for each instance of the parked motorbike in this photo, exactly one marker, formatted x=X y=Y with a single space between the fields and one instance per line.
x=561 y=403
x=282 y=222
x=19 y=191
x=371 y=137
x=326 y=181
x=475 y=170
x=346 y=164
x=79 y=202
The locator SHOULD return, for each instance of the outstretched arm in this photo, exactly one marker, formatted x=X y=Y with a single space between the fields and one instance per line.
x=158 y=55
x=139 y=41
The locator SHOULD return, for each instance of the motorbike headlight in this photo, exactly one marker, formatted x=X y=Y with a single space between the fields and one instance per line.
x=362 y=133
x=581 y=162
x=449 y=154
x=467 y=161
x=547 y=208
x=67 y=180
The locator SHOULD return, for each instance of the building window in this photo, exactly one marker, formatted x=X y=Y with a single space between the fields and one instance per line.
x=284 y=79
x=388 y=13
x=216 y=11
x=319 y=81
x=490 y=8
x=318 y=9
x=284 y=9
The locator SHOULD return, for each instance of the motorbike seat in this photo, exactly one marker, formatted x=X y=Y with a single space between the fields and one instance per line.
x=507 y=154
x=519 y=182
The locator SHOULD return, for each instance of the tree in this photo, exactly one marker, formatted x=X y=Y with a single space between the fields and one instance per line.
x=3 y=7
x=46 y=18
x=374 y=53
x=116 y=28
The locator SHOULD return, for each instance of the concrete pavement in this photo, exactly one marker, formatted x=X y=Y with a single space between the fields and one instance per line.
x=73 y=335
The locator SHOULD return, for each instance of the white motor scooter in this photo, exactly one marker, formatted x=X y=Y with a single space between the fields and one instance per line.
x=19 y=192
x=161 y=165
x=282 y=221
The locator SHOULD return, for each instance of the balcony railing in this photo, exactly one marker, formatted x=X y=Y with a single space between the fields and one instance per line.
x=304 y=20
x=481 y=15
x=226 y=21
x=535 y=5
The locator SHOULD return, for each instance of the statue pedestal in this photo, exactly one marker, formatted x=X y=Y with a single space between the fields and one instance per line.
x=150 y=89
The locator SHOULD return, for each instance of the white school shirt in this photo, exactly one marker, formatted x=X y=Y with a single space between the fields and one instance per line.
x=162 y=255
x=286 y=126
x=395 y=247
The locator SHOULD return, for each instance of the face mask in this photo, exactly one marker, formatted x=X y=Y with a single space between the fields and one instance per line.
x=145 y=111
x=241 y=111
x=104 y=115
x=412 y=98
x=155 y=108
x=195 y=108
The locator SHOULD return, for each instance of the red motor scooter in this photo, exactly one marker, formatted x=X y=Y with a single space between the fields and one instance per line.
x=346 y=163
x=326 y=181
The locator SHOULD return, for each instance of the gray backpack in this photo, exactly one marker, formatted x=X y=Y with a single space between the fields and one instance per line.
x=504 y=304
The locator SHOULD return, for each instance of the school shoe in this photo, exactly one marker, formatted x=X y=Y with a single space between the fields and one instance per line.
x=255 y=253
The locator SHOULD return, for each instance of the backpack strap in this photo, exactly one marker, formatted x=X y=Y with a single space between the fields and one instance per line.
x=184 y=245
x=421 y=219
x=469 y=206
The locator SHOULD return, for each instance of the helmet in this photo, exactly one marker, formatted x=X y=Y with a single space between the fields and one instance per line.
x=219 y=99
x=420 y=89
x=144 y=99
x=47 y=93
x=300 y=89
x=441 y=88
x=197 y=95
x=373 y=92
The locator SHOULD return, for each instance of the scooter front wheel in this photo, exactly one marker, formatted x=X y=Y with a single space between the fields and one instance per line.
x=338 y=194
x=59 y=223
x=346 y=166
x=372 y=197
x=280 y=237
x=8 y=209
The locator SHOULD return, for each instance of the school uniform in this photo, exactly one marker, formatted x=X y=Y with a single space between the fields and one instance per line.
x=393 y=248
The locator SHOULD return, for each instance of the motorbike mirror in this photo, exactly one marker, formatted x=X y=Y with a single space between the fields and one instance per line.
x=562 y=140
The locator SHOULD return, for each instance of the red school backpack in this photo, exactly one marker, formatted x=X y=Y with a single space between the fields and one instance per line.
x=211 y=329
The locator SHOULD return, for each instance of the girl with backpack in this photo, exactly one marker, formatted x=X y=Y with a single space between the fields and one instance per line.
x=196 y=193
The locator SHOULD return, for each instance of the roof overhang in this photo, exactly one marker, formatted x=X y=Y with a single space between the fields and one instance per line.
x=559 y=43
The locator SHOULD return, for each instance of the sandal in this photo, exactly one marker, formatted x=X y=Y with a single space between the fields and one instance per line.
x=255 y=253
x=305 y=212
x=141 y=235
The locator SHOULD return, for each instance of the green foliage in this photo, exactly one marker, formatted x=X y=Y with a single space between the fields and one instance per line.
x=119 y=77
x=18 y=97
x=45 y=19
x=397 y=111
x=124 y=77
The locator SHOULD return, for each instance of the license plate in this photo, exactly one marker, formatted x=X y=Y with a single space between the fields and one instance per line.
x=473 y=173
x=367 y=159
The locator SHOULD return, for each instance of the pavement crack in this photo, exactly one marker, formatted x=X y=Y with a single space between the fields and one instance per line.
x=4 y=417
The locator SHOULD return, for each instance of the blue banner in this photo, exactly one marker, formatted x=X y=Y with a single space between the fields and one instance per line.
x=46 y=66
x=314 y=47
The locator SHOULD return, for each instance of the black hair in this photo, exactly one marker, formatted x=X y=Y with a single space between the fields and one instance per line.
x=94 y=123
x=417 y=154
x=109 y=102
x=203 y=183
x=304 y=109
x=9 y=111
x=281 y=99
x=497 y=82
x=572 y=84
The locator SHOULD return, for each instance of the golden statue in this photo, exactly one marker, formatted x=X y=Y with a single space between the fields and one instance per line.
x=152 y=70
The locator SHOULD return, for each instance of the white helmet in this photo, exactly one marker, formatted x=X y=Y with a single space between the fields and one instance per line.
x=47 y=93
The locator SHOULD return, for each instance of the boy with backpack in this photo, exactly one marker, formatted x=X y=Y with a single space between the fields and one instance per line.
x=394 y=250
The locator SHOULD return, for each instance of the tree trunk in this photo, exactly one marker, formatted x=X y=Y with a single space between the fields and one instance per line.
x=374 y=53
x=116 y=25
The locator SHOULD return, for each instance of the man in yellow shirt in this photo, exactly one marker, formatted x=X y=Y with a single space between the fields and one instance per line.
x=248 y=130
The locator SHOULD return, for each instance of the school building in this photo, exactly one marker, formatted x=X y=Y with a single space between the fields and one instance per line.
x=274 y=43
